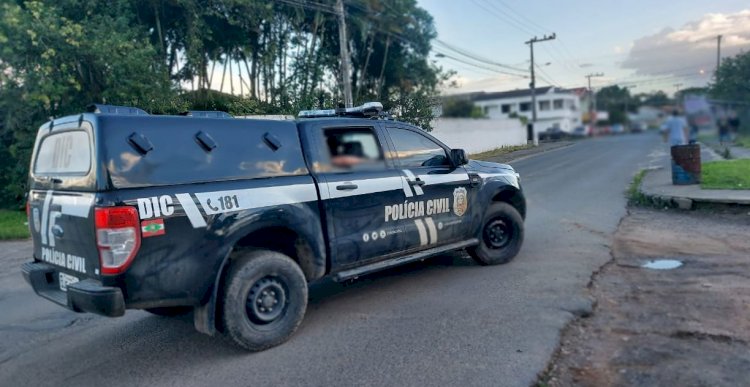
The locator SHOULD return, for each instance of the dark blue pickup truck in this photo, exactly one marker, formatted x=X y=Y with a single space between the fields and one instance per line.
x=232 y=218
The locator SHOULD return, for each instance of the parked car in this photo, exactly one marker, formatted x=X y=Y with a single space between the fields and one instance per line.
x=231 y=218
x=579 y=131
x=638 y=127
x=617 y=129
x=552 y=134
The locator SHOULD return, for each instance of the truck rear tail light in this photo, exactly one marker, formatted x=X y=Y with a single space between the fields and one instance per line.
x=28 y=216
x=118 y=237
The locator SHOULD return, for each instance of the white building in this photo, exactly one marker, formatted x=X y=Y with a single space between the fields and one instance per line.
x=555 y=107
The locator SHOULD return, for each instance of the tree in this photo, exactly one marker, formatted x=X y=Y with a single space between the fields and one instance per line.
x=461 y=108
x=731 y=86
x=656 y=99
x=57 y=57
x=732 y=82
x=167 y=56
x=617 y=101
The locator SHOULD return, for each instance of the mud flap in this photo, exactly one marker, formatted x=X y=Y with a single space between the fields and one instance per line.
x=204 y=316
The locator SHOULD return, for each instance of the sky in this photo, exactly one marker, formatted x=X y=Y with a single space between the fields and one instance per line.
x=646 y=45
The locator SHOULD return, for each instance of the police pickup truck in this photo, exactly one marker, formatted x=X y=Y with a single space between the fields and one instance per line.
x=232 y=218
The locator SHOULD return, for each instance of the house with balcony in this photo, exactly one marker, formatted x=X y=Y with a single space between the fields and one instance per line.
x=555 y=107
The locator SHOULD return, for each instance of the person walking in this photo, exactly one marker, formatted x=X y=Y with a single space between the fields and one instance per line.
x=724 y=136
x=676 y=130
x=734 y=125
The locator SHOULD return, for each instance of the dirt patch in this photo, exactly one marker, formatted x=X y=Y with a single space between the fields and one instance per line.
x=688 y=326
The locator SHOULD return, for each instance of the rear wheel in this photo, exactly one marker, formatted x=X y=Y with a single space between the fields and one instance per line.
x=265 y=297
x=502 y=235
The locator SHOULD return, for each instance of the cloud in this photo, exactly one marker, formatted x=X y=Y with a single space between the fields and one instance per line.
x=692 y=47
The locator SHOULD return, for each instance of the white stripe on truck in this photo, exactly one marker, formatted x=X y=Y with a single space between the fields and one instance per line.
x=219 y=202
x=191 y=210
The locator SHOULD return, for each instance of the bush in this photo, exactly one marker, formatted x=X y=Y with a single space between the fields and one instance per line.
x=461 y=108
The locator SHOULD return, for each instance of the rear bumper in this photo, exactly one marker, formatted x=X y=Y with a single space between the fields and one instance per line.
x=87 y=295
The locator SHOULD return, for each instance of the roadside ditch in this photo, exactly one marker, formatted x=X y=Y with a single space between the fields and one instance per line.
x=689 y=325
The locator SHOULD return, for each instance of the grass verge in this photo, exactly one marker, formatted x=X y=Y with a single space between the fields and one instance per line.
x=728 y=174
x=499 y=151
x=743 y=141
x=13 y=225
x=635 y=197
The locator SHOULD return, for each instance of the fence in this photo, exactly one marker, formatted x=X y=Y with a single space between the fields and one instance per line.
x=479 y=135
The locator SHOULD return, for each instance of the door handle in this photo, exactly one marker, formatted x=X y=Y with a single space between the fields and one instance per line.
x=57 y=231
x=346 y=187
x=417 y=182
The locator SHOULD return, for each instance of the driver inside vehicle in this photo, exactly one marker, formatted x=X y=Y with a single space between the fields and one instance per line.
x=348 y=154
x=349 y=149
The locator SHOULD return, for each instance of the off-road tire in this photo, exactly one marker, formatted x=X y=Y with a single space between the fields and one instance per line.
x=251 y=274
x=494 y=249
x=170 y=311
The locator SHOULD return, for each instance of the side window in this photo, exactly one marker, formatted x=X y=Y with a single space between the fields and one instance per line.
x=415 y=150
x=351 y=148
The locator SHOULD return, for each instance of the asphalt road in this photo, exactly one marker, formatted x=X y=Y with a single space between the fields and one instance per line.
x=443 y=322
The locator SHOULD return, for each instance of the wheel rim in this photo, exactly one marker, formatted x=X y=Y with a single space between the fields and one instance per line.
x=497 y=233
x=266 y=300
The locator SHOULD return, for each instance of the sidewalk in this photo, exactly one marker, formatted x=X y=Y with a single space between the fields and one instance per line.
x=739 y=152
x=657 y=186
x=735 y=151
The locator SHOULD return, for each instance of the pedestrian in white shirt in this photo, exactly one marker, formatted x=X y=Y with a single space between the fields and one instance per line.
x=675 y=130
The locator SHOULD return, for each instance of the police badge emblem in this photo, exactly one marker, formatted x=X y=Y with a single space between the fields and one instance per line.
x=460 y=201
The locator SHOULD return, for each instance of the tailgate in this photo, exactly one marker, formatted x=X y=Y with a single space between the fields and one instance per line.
x=62 y=227
x=61 y=199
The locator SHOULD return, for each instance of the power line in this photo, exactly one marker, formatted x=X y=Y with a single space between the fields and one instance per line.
x=474 y=56
x=546 y=77
x=508 y=19
x=527 y=21
x=544 y=29
x=441 y=55
x=666 y=79
x=311 y=5
x=671 y=73
x=457 y=53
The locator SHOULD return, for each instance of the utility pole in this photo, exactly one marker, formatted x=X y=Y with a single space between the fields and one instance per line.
x=532 y=85
x=592 y=102
x=344 y=51
x=718 y=54
x=627 y=100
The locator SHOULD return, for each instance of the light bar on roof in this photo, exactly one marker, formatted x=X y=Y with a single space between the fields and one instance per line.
x=317 y=113
x=368 y=109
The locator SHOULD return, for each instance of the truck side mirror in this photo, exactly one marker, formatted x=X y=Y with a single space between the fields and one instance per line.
x=458 y=157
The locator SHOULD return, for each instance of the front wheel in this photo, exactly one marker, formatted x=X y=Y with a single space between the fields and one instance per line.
x=502 y=235
x=265 y=297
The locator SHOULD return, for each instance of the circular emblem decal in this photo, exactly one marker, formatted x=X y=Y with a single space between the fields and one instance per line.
x=460 y=201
